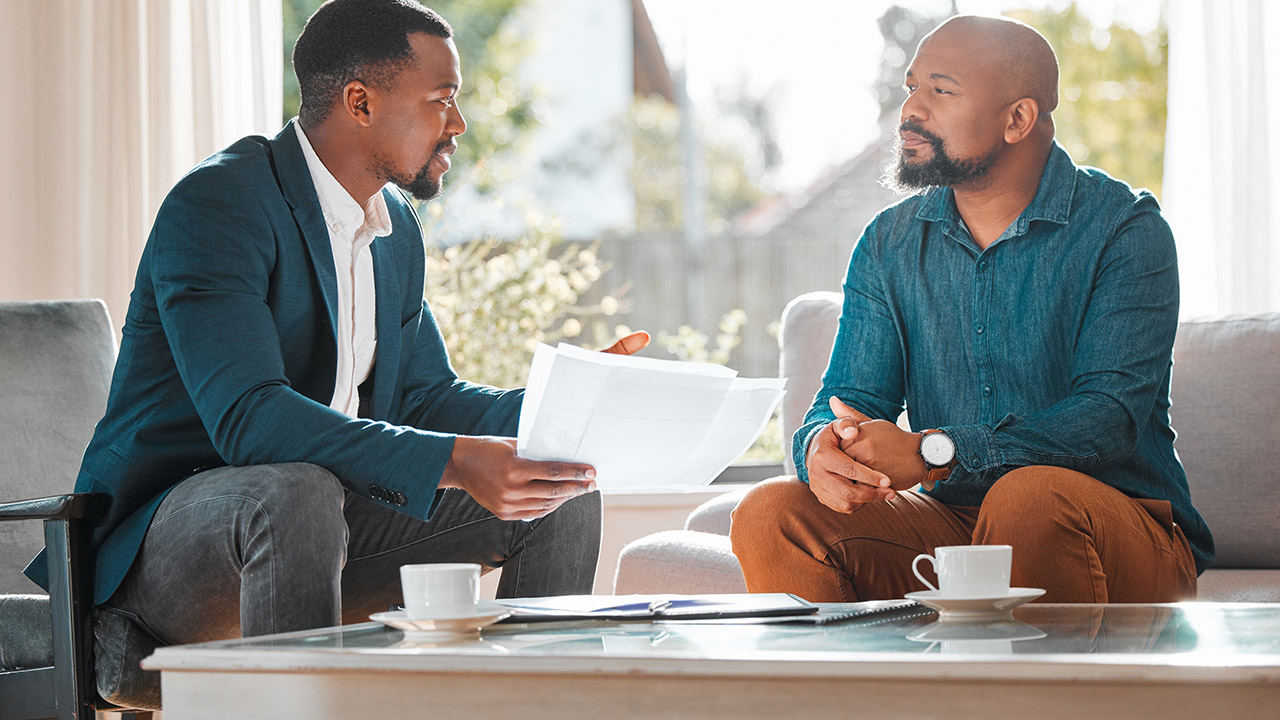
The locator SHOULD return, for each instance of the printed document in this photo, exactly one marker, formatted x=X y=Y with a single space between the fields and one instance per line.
x=641 y=422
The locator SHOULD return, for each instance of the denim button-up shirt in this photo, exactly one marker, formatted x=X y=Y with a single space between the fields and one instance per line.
x=1051 y=347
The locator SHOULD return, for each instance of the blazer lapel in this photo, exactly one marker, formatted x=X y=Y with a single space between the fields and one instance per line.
x=295 y=183
x=386 y=282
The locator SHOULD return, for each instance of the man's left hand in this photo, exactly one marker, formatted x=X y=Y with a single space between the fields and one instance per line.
x=883 y=446
x=630 y=344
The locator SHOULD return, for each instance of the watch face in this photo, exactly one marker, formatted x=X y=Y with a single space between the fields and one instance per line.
x=937 y=449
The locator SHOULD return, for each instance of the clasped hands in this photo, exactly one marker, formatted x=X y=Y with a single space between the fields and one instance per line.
x=856 y=460
x=511 y=487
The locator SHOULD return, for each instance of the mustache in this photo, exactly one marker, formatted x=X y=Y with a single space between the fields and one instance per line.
x=445 y=145
x=909 y=126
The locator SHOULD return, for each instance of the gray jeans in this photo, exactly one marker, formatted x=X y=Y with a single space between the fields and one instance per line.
x=242 y=551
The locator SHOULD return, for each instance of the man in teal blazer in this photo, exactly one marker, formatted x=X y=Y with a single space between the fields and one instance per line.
x=242 y=502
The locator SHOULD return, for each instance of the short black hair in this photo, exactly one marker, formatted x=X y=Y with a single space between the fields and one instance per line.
x=365 y=40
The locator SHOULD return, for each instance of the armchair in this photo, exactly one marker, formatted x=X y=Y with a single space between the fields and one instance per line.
x=56 y=361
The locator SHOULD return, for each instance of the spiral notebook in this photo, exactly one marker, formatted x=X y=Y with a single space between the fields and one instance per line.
x=866 y=612
x=656 y=607
x=877 y=610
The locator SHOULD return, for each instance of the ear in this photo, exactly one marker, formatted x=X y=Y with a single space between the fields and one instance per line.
x=355 y=103
x=1021 y=118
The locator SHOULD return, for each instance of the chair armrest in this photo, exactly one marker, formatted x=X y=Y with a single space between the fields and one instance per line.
x=59 y=507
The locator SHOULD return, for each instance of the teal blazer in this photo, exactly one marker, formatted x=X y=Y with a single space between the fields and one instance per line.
x=229 y=355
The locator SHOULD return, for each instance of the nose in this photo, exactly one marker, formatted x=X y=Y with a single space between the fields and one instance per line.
x=456 y=124
x=913 y=108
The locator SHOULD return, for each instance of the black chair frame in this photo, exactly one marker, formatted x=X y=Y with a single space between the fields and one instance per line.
x=66 y=689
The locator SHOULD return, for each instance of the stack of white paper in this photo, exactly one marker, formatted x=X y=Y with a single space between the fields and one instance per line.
x=642 y=423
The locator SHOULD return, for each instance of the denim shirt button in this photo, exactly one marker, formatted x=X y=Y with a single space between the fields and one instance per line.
x=981 y=328
x=982 y=265
x=986 y=392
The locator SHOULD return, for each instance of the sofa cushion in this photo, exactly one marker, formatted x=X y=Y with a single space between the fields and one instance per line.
x=1227 y=418
x=680 y=562
x=1239 y=585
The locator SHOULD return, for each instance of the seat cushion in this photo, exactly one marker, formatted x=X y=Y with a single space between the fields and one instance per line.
x=1239 y=586
x=1224 y=411
x=680 y=562
x=26 y=632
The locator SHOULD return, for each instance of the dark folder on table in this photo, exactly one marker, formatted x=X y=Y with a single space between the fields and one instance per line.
x=656 y=607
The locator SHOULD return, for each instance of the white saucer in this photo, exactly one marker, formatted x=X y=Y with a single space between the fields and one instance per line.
x=975 y=608
x=487 y=613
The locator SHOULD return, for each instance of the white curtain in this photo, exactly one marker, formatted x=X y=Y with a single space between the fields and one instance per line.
x=1222 y=153
x=111 y=101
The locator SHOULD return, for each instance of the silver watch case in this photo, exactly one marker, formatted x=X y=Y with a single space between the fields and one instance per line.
x=937 y=449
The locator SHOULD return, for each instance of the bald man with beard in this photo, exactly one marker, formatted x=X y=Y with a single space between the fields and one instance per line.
x=1024 y=310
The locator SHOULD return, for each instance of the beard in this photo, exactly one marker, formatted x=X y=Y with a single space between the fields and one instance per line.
x=940 y=170
x=422 y=185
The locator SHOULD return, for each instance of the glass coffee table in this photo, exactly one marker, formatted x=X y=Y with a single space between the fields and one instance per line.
x=1189 y=660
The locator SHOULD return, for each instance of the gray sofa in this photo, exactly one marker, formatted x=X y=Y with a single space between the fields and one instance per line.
x=1226 y=411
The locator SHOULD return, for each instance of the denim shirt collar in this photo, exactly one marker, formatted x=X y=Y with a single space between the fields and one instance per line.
x=1051 y=203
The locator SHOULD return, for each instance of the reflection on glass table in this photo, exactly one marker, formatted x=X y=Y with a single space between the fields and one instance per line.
x=1185 y=633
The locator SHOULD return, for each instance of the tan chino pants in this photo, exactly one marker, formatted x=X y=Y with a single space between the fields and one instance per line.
x=1081 y=540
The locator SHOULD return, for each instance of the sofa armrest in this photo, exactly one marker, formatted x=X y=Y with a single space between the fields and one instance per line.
x=713 y=516
x=58 y=507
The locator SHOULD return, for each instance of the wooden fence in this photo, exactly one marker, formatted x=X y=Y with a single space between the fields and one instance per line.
x=670 y=285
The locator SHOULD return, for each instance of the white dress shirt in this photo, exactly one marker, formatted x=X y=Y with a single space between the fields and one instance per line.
x=352 y=230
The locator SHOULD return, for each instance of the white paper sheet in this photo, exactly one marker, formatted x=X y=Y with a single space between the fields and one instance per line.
x=641 y=422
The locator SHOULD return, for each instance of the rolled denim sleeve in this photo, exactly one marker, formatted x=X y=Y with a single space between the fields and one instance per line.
x=1121 y=361
x=866 y=369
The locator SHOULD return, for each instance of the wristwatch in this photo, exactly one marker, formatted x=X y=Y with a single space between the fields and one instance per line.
x=938 y=452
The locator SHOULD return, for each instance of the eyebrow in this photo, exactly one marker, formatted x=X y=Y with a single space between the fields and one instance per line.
x=936 y=76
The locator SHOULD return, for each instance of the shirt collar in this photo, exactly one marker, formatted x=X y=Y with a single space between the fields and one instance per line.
x=1052 y=201
x=337 y=204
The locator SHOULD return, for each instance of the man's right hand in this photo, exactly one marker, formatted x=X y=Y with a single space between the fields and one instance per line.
x=837 y=480
x=513 y=488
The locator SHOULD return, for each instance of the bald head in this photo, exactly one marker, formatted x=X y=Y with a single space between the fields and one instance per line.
x=1018 y=59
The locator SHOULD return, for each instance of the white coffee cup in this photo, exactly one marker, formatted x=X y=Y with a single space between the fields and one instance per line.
x=968 y=570
x=438 y=591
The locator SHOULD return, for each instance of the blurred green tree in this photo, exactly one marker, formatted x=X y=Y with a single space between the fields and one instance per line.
x=1113 y=88
x=518 y=295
